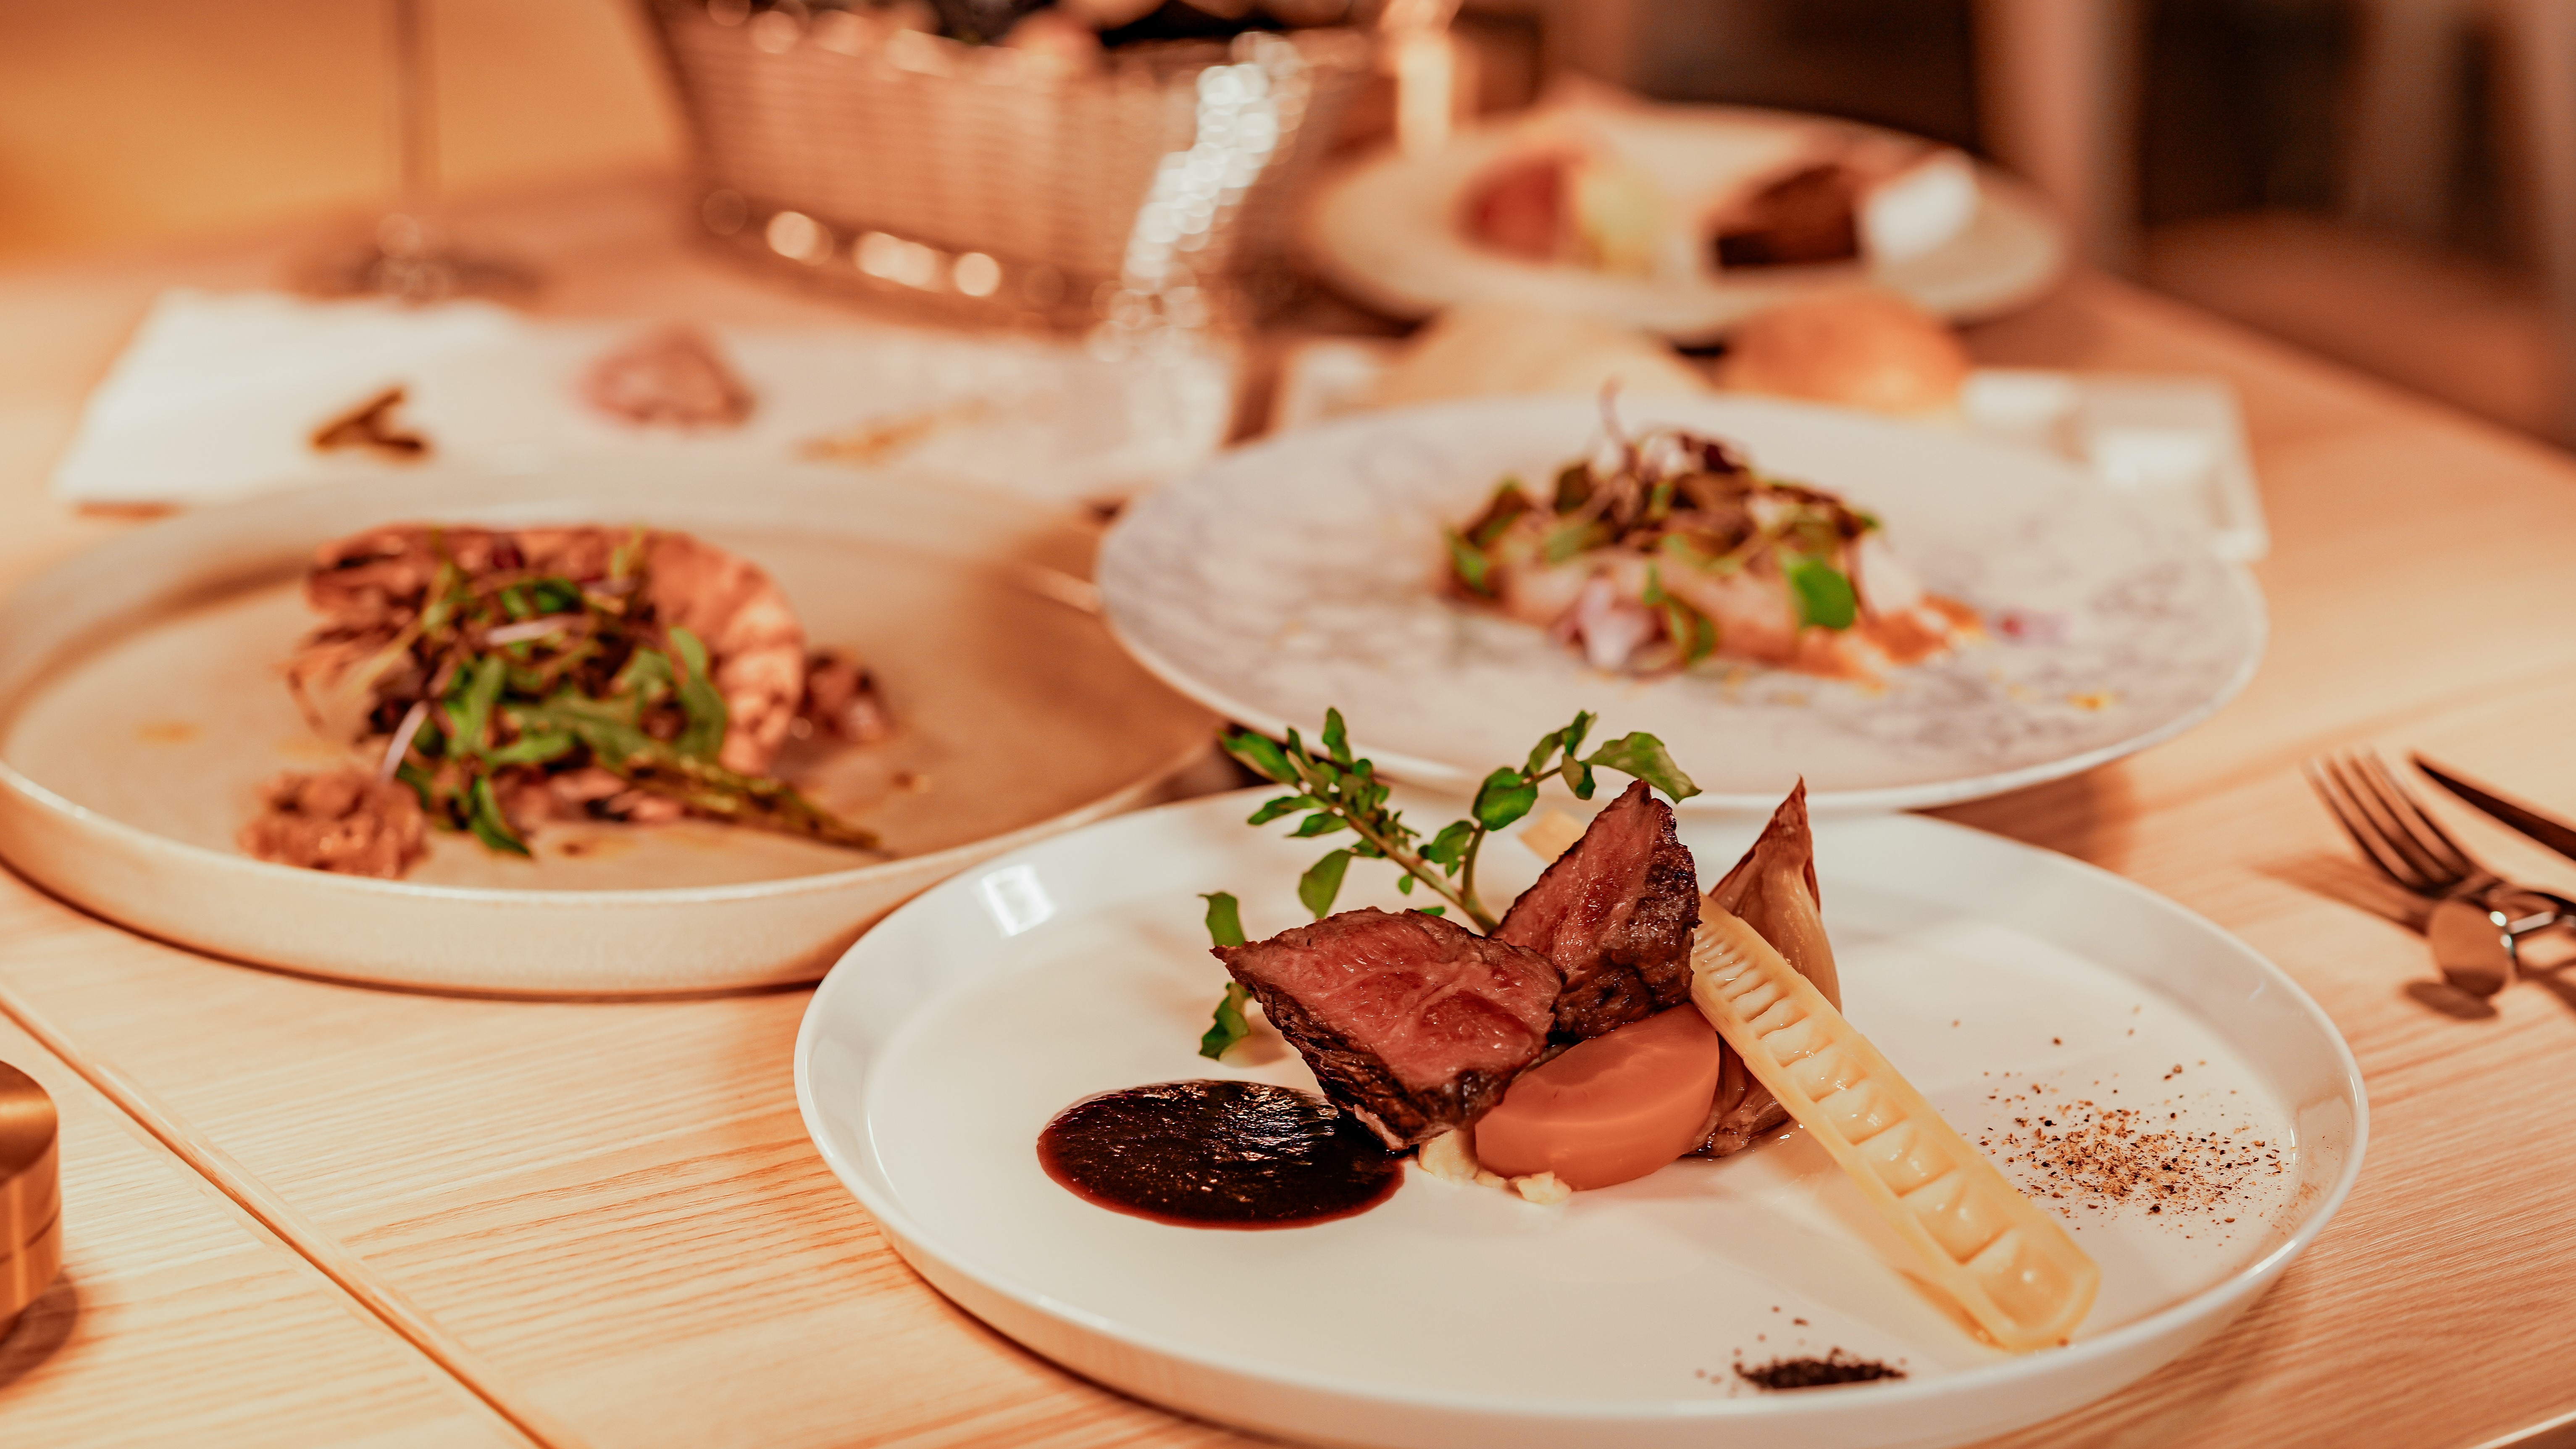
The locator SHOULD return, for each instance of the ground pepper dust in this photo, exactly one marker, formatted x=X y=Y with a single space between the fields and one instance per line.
x=2081 y=1150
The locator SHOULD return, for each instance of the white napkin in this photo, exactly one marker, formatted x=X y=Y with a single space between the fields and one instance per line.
x=216 y=397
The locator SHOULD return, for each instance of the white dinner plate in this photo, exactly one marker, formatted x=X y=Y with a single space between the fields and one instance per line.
x=2006 y=982
x=1302 y=574
x=1386 y=231
x=142 y=705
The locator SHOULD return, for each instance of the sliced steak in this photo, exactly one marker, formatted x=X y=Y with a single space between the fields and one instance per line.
x=1615 y=914
x=1410 y=1023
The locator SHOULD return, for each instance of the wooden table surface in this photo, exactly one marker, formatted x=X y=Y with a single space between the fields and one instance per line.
x=452 y=1218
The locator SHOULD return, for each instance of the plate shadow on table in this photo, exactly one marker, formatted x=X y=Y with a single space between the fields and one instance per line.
x=44 y=1328
x=2086 y=816
x=2348 y=883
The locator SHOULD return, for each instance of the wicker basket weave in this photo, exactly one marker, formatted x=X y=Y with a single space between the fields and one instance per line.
x=987 y=182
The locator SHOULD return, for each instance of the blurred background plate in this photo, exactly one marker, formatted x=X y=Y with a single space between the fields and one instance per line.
x=1387 y=232
x=141 y=706
x=1303 y=574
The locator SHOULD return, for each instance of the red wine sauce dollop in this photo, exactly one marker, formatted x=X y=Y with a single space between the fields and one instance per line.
x=1212 y=1154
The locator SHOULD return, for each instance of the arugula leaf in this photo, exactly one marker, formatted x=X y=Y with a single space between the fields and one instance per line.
x=704 y=734
x=1449 y=847
x=1323 y=881
x=1644 y=756
x=1506 y=796
x=1577 y=776
x=1285 y=805
x=1569 y=539
x=1823 y=595
x=1224 y=918
x=1322 y=822
x=1470 y=564
x=1501 y=512
x=1226 y=1024
x=469 y=702
x=488 y=823
x=645 y=678
x=1337 y=738
x=555 y=595
x=532 y=747
x=1261 y=754
x=1693 y=634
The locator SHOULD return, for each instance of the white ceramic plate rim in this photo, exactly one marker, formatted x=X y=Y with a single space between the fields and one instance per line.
x=2000 y=1376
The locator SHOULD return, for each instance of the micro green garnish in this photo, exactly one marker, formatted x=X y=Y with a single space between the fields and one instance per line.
x=574 y=677
x=1677 y=497
x=1338 y=791
x=1225 y=928
x=1823 y=594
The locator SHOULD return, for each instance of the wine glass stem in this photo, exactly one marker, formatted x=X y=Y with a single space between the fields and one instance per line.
x=415 y=116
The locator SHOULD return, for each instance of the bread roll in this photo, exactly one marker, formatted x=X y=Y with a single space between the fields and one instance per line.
x=1863 y=349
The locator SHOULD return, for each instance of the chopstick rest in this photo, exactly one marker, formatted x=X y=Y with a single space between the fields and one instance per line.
x=31 y=1218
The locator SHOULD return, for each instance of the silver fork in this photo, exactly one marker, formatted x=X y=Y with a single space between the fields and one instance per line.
x=2477 y=917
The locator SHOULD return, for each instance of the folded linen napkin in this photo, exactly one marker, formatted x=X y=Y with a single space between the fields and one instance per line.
x=217 y=397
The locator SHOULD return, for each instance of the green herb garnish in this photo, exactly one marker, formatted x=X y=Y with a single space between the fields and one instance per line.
x=1823 y=594
x=578 y=675
x=1228 y=1026
x=1337 y=791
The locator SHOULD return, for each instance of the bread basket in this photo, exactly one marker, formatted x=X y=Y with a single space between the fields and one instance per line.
x=1000 y=185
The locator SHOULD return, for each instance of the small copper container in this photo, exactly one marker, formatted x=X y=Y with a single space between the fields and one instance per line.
x=31 y=1203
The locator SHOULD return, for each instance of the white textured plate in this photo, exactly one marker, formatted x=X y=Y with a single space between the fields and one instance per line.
x=1302 y=573
x=1386 y=232
x=1454 y=1315
x=141 y=707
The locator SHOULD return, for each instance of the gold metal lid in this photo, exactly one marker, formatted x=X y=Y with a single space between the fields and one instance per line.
x=30 y=1196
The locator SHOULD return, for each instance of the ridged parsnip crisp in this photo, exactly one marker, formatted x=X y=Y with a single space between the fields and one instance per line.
x=2007 y=1262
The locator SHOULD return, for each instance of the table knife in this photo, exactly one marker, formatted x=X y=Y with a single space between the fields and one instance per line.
x=2558 y=835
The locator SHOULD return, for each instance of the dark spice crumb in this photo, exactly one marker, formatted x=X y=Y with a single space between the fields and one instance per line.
x=1836 y=1367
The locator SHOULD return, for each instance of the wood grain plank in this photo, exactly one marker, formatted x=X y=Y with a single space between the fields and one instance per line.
x=178 y=1321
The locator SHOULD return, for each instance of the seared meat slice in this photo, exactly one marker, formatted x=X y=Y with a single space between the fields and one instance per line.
x=1615 y=914
x=1410 y=1023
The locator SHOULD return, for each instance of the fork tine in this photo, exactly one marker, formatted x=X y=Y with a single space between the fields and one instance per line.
x=2385 y=824
x=2400 y=873
x=2463 y=863
x=2412 y=825
x=2372 y=832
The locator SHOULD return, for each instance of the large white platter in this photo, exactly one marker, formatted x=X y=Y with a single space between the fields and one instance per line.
x=1302 y=574
x=141 y=706
x=1386 y=231
x=1454 y=1315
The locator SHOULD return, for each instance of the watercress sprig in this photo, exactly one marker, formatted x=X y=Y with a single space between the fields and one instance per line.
x=1338 y=791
